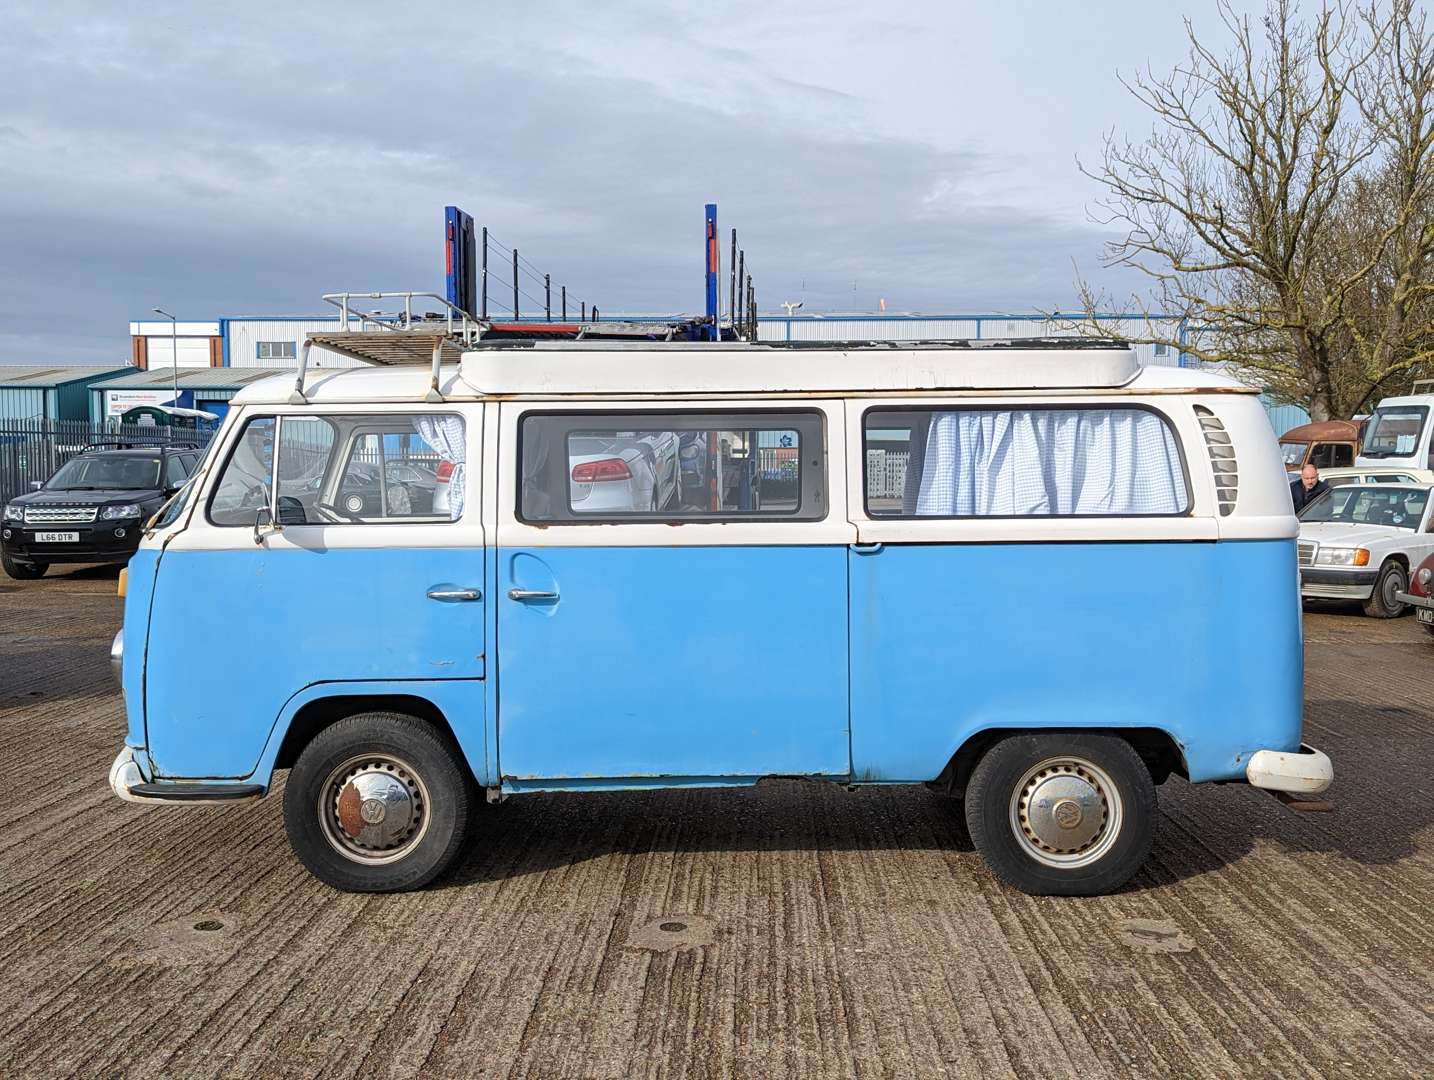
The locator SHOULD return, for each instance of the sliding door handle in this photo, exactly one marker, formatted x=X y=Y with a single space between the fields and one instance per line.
x=527 y=596
x=868 y=549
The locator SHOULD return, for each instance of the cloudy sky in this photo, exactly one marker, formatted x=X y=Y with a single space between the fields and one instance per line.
x=245 y=158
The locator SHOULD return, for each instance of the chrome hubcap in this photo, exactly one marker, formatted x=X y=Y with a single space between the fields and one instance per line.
x=1066 y=812
x=373 y=809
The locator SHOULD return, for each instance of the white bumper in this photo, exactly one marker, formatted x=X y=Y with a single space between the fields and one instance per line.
x=1305 y=771
x=125 y=774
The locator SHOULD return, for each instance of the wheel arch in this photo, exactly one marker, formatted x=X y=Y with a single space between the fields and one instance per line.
x=1160 y=751
x=322 y=712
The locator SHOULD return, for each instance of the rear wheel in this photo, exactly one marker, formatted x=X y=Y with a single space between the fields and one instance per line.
x=379 y=802
x=1063 y=814
x=22 y=571
x=1382 y=603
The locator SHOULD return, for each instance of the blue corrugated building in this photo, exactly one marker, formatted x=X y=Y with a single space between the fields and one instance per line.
x=53 y=392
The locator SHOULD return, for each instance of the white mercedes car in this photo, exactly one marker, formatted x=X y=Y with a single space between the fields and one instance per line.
x=1359 y=541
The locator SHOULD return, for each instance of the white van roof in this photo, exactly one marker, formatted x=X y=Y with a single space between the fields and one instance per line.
x=550 y=369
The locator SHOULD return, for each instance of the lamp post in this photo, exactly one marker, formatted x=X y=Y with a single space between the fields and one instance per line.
x=174 y=349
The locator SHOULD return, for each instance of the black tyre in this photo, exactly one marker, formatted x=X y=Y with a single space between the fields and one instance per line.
x=1062 y=814
x=378 y=802
x=1428 y=628
x=1393 y=578
x=22 y=571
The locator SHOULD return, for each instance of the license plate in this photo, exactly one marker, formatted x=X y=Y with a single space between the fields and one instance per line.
x=57 y=538
x=1424 y=615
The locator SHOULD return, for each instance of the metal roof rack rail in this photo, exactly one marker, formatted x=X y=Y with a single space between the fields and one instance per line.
x=396 y=336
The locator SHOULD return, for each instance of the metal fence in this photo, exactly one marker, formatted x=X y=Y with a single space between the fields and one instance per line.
x=31 y=450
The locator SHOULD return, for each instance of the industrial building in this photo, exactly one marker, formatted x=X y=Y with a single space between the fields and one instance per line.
x=205 y=388
x=50 y=393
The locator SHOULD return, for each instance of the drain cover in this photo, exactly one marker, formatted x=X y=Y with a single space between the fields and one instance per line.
x=668 y=933
x=1153 y=936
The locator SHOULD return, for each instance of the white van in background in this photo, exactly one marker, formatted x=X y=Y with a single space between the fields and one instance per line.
x=1399 y=434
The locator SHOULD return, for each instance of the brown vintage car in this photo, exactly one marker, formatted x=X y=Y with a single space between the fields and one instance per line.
x=1325 y=444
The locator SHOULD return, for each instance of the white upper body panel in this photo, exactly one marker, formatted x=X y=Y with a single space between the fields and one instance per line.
x=700 y=370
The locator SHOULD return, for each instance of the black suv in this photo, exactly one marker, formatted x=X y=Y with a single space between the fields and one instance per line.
x=93 y=509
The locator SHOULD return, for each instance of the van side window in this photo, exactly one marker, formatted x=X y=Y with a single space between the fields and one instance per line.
x=1035 y=462
x=343 y=470
x=695 y=466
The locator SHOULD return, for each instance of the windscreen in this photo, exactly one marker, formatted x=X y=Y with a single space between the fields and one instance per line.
x=1394 y=430
x=1401 y=508
x=106 y=473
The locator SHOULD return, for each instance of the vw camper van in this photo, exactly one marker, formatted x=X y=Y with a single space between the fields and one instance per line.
x=1036 y=577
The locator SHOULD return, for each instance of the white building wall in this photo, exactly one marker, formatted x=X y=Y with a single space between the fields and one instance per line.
x=244 y=336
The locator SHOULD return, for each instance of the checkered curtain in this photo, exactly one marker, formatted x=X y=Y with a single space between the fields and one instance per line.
x=1038 y=462
x=445 y=434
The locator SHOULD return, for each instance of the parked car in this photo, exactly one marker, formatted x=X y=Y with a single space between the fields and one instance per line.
x=92 y=510
x=1358 y=542
x=1366 y=475
x=1420 y=596
x=1325 y=444
x=630 y=472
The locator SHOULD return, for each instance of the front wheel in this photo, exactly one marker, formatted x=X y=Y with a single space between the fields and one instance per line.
x=1063 y=814
x=22 y=571
x=1383 y=602
x=378 y=802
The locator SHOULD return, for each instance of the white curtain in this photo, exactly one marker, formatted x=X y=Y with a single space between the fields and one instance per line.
x=445 y=434
x=1031 y=462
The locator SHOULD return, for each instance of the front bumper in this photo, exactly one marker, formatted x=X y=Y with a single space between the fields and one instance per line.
x=1305 y=771
x=96 y=544
x=1321 y=584
x=1415 y=601
x=128 y=782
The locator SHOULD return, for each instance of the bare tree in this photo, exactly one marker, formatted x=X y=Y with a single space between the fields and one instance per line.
x=1281 y=205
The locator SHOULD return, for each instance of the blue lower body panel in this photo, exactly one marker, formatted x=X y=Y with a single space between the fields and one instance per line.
x=673 y=664
x=1201 y=640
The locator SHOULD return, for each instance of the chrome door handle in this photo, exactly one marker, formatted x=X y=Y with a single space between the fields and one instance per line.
x=454 y=596
x=523 y=596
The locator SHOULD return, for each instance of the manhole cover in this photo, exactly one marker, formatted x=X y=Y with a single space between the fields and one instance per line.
x=1153 y=936
x=668 y=933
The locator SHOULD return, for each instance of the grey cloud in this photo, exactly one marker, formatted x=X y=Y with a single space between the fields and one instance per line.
x=235 y=170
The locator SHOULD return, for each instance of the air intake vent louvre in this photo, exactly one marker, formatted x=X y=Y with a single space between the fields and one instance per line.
x=1222 y=460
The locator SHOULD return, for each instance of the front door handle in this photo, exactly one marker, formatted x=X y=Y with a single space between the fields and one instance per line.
x=868 y=549
x=454 y=596
x=525 y=596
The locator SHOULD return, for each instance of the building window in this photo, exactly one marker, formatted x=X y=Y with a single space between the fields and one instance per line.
x=278 y=350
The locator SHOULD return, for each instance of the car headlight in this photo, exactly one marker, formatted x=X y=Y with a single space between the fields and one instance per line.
x=118 y=513
x=14 y=512
x=1343 y=556
x=1423 y=577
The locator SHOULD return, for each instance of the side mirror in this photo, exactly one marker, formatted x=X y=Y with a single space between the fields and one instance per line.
x=36 y=485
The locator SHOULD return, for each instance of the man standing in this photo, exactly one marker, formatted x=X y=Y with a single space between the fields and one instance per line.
x=1307 y=488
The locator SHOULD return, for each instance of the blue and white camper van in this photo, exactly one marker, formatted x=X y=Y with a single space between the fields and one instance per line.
x=1041 y=579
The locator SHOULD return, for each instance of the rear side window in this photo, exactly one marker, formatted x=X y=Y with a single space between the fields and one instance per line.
x=681 y=466
x=1036 y=462
x=344 y=470
x=175 y=472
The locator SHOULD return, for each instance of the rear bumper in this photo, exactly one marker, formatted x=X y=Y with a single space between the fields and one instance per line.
x=128 y=782
x=1337 y=584
x=1305 y=771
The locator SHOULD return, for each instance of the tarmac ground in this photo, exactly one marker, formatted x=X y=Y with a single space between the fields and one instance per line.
x=792 y=929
